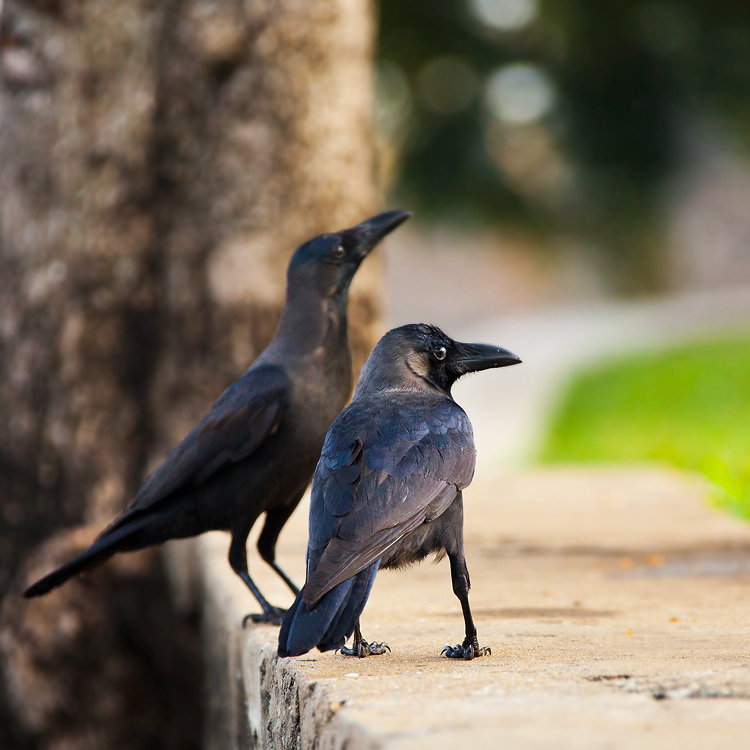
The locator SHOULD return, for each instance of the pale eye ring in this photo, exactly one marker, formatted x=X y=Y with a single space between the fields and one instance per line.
x=338 y=252
x=440 y=353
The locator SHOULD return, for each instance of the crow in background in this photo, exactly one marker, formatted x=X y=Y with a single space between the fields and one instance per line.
x=387 y=489
x=255 y=450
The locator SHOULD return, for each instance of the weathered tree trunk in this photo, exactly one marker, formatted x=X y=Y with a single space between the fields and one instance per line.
x=159 y=162
x=78 y=293
x=264 y=137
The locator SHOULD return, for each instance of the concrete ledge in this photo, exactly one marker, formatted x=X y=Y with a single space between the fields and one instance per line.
x=615 y=603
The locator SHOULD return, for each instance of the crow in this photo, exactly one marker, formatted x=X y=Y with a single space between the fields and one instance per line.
x=255 y=450
x=387 y=490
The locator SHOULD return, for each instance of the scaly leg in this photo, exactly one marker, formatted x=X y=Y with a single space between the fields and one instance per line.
x=238 y=561
x=470 y=648
x=275 y=520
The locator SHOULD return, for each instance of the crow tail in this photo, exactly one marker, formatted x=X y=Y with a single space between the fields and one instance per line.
x=106 y=545
x=331 y=621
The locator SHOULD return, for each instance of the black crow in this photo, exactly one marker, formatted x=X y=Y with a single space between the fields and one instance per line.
x=255 y=450
x=387 y=489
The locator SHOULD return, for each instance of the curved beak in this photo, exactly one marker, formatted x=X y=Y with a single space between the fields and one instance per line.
x=476 y=357
x=368 y=233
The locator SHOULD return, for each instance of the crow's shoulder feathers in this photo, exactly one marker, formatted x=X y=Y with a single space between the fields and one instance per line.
x=233 y=428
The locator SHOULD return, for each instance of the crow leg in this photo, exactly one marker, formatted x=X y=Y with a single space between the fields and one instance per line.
x=461 y=585
x=361 y=648
x=275 y=520
x=238 y=561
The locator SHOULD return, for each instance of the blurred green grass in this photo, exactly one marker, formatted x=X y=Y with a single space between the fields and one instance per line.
x=687 y=406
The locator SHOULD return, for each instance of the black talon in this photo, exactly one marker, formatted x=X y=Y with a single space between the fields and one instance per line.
x=273 y=616
x=361 y=648
x=466 y=651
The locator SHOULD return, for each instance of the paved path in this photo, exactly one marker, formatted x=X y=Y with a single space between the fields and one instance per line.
x=616 y=604
x=510 y=409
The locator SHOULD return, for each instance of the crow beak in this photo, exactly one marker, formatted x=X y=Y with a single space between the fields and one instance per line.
x=370 y=232
x=476 y=357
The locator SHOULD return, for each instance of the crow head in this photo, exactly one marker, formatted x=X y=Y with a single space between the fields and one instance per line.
x=327 y=264
x=419 y=355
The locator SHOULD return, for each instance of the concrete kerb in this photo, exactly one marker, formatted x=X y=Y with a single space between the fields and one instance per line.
x=253 y=698
x=615 y=602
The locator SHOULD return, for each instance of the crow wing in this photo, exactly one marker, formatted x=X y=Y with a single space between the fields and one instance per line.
x=386 y=467
x=233 y=428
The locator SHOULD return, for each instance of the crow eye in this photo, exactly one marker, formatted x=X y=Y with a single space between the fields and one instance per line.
x=440 y=353
x=338 y=252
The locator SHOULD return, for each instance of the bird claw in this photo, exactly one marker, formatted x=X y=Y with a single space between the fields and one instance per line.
x=274 y=616
x=467 y=651
x=363 y=649
x=379 y=648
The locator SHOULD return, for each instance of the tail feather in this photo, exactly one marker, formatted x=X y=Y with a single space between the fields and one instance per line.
x=101 y=550
x=343 y=626
x=303 y=628
x=330 y=621
x=291 y=614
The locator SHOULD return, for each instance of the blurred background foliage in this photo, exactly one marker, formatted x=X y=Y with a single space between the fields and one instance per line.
x=686 y=406
x=559 y=116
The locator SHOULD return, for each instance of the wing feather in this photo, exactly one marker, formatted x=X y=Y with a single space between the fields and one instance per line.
x=235 y=426
x=378 y=480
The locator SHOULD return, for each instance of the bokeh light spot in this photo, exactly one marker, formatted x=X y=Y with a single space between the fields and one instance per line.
x=520 y=93
x=447 y=84
x=504 y=15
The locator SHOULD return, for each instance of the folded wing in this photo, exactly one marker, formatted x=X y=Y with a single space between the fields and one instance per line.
x=235 y=427
x=378 y=479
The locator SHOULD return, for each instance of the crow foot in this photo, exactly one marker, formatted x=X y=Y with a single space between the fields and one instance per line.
x=466 y=651
x=272 y=616
x=362 y=649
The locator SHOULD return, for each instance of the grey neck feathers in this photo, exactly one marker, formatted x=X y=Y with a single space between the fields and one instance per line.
x=309 y=321
x=381 y=374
